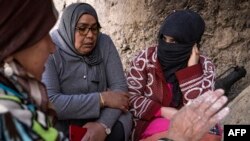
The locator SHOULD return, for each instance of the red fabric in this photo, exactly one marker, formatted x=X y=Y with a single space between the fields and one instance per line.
x=193 y=71
x=147 y=86
x=197 y=79
x=158 y=113
x=76 y=133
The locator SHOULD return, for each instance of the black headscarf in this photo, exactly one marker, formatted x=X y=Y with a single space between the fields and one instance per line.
x=66 y=29
x=20 y=24
x=187 y=28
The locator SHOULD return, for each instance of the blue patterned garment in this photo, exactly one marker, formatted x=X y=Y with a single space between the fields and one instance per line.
x=24 y=111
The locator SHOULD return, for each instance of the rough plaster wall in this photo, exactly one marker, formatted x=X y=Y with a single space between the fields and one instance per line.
x=240 y=109
x=134 y=24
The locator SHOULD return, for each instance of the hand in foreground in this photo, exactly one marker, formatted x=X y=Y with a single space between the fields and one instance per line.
x=168 y=112
x=196 y=118
x=118 y=100
x=194 y=57
x=95 y=132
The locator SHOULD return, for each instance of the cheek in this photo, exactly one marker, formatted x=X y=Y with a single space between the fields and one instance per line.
x=42 y=60
x=44 y=53
x=77 y=41
x=95 y=39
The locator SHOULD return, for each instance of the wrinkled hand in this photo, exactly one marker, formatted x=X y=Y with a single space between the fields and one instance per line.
x=118 y=100
x=196 y=118
x=95 y=132
x=194 y=57
x=168 y=112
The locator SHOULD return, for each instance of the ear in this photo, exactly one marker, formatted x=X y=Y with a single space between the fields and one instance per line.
x=198 y=45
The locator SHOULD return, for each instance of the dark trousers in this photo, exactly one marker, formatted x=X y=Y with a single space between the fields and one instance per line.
x=117 y=133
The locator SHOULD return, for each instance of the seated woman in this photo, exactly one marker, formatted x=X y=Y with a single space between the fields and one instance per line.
x=163 y=78
x=25 y=44
x=85 y=78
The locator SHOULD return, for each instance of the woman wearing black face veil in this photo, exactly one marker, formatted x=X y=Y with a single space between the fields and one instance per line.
x=163 y=78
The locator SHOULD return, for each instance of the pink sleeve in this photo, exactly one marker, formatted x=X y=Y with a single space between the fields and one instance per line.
x=156 y=126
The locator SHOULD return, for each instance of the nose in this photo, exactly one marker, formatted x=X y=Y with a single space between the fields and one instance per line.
x=90 y=34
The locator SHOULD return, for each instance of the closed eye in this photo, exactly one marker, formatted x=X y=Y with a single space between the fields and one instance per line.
x=168 y=39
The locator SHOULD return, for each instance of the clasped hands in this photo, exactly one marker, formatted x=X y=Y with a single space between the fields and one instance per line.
x=116 y=99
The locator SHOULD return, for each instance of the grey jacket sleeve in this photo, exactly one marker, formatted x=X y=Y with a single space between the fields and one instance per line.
x=116 y=82
x=79 y=106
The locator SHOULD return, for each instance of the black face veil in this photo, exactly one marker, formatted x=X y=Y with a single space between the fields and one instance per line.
x=187 y=28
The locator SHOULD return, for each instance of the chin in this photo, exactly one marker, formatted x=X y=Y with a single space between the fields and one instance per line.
x=86 y=52
x=39 y=75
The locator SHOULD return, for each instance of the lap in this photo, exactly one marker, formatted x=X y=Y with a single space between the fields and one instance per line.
x=157 y=136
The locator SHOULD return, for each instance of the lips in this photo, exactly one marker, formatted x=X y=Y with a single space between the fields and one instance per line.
x=88 y=44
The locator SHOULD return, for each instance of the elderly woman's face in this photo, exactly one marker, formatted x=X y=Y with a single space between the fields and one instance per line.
x=86 y=34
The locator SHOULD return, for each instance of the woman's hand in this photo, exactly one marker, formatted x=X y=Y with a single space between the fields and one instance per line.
x=95 y=132
x=195 y=119
x=168 y=112
x=194 y=57
x=118 y=100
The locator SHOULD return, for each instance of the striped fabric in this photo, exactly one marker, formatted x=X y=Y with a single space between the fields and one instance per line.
x=24 y=112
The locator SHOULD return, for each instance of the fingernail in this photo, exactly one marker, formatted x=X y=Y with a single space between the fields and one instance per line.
x=220 y=91
x=189 y=102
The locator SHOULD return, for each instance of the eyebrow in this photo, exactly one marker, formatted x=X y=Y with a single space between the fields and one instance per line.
x=85 y=24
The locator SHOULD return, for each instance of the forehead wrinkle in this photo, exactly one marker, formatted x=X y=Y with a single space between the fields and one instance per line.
x=86 y=24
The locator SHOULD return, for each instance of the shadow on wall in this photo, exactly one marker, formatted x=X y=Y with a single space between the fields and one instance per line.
x=228 y=78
